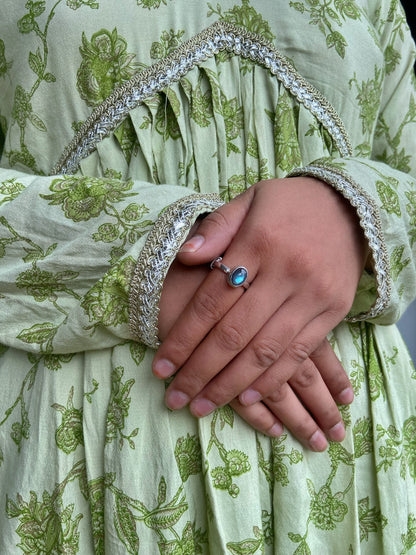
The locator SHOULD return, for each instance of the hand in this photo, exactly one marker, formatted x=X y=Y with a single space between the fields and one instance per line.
x=299 y=293
x=178 y=289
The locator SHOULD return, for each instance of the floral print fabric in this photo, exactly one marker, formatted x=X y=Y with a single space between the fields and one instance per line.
x=90 y=459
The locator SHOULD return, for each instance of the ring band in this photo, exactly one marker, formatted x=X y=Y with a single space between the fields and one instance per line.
x=236 y=277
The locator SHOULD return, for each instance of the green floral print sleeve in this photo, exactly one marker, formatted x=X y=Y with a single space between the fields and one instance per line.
x=119 y=126
x=75 y=304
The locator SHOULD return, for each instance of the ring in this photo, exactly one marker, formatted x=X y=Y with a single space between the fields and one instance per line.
x=236 y=277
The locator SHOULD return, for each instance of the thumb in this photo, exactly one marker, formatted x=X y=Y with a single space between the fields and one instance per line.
x=215 y=232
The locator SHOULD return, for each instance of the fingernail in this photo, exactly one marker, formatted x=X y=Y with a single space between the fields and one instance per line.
x=163 y=368
x=276 y=430
x=346 y=396
x=318 y=442
x=249 y=397
x=176 y=399
x=202 y=407
x=193 y=244
x=337 y=432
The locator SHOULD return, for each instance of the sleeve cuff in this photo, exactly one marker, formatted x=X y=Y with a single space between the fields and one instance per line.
x=159 y=251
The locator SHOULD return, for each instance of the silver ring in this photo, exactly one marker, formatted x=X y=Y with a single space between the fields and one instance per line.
x=236 y=277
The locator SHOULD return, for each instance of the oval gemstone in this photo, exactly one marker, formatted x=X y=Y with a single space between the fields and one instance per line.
x=238 y=276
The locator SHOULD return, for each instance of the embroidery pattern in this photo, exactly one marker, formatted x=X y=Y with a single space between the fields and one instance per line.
x=220 y=36
x=157 y=255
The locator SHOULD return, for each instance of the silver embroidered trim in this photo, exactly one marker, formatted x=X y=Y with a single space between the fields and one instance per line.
x=371 y=224
x=159 y=251
x=216 y=38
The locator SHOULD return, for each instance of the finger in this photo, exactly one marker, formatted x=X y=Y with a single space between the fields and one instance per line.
x=296 y=353
x=286 y=406
x=261 y=352
x=259 y=417
x=310 y=388
x=214 y=374
x=333 y=373
x=209 y=304
x=216 y=231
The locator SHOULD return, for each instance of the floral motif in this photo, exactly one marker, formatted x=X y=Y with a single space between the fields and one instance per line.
x=45 y=527
x=237 y=462
x=389 y=198
x=9 y=190
x=166 y=119
x=118 y=409
x=82 y=198
x=221 y=478
x=4 y=64
x=362 y=434
x=149 y=4
x=27 y=23
x=409 y=445
x=96 y=496
x=22 y=108
x=43 y=285
x=245 y=16
x=324 y=16
x=397 y=262
x=201 y=110
x=326 y=509
x=248 y=546
x=169 y=41
x=75 y=4
x=189 y=544
x=188 y=456
x=69 y=434
x=409 y=539
x=107 y=302
x=411 y=210
x=370 y=520
x=286 y=143
x=368 y=96
x=105 y=65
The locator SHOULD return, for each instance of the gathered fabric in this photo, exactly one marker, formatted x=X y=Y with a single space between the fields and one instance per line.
x=113 y=117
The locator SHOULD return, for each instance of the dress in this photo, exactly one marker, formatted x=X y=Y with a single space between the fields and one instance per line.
x=184 y=104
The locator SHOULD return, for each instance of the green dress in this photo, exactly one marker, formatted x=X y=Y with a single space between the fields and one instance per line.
x=121 y=122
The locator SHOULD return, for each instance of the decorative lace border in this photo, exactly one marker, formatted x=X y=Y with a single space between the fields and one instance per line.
x=158 y=253
x=216 y=38
x=370 y=222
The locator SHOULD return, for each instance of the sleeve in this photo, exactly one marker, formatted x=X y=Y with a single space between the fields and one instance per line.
x=73 y=255
x=382 y=186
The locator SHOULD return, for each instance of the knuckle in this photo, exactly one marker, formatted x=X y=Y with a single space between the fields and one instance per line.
x=206 y=307
x=300 y=264
x=266 y=352
x=216 y=220
x=230 y=337
x=340 y=306
x=305 y=377
x=299 y=351
x=264 y=241
x=277 y=396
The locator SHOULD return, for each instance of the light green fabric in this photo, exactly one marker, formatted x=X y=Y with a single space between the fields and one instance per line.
x=90 y=458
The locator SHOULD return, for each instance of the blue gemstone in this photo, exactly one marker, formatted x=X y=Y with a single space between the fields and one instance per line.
x=238 y=276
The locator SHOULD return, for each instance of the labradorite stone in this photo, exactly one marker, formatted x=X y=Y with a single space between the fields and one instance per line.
x=238 y=276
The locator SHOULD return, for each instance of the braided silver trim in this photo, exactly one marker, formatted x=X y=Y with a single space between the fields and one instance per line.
x=159 y=251
x=216 y=38
x=370 y=222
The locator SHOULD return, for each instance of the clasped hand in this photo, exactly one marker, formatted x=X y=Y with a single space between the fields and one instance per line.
x=264 y=350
